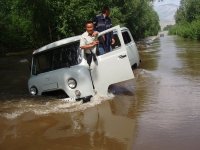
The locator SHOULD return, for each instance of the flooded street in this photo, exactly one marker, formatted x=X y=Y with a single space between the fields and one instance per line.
x=158 y=110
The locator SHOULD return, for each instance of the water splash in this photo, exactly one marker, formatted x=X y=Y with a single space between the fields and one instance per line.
x=14 y=109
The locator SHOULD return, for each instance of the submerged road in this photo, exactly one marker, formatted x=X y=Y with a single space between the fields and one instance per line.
x=158 y=110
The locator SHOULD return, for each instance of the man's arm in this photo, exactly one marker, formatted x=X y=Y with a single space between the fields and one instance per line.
x=89 y=46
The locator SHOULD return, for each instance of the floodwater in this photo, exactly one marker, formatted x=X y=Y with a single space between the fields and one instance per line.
x=158 y=110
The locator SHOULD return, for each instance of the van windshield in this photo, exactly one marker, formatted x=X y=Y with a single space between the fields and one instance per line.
x=60 y=57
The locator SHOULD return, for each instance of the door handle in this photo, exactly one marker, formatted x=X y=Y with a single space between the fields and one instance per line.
x=122 y=56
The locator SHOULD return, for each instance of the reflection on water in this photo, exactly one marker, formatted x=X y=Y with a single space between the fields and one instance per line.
x=91 y=128
x=171 y=117
x=151 y=55
x=159 y=109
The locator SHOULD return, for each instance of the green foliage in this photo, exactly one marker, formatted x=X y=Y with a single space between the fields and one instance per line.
x=188 y=20
x=10 y=30
x=187 y=30
x=33 y=23
x=188 y=11
x=141 y=19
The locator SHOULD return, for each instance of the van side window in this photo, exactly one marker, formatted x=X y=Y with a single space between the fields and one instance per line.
x=105 y=39
x=44 y=62
x=56 y=59
x=60 y=57
x=117 y=43
x=126 y=37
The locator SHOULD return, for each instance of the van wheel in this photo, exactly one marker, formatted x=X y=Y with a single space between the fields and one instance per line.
x=33 y=91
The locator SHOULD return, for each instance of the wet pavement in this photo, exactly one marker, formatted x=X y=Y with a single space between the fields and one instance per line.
x=159 y=109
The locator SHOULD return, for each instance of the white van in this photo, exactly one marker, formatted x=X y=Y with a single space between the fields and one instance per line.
x=61 y=66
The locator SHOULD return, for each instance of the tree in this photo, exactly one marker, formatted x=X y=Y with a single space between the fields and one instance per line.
x=189 y=11
x=188 y=20
x=33 y=23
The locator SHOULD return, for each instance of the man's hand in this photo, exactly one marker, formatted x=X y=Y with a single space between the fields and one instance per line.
x=91 y=45
x=94 y=43
x=95 y=33
x=113 y=41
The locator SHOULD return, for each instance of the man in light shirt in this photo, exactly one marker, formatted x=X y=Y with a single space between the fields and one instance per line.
x=88 y=42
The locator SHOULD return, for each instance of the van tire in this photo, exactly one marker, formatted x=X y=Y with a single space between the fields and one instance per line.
x=134 y=66
x=33 y=91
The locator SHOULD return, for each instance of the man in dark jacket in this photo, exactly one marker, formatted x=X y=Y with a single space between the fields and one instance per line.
x=103 y=22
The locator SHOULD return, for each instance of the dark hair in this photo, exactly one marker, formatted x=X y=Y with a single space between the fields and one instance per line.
x=105 y=8
x=88 y=22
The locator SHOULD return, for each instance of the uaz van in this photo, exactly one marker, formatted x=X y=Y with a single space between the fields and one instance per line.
x=61 y=66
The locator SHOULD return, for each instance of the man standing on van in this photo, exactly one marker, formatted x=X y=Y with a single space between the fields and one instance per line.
x=88 y=42
x=103 y=22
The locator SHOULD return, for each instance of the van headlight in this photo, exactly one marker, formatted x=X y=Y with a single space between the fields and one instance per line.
x=72 y=83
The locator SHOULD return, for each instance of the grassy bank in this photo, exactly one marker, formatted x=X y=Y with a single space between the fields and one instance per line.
x=187 y=30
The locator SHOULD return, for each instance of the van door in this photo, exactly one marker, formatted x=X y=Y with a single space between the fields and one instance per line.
x=114 y=66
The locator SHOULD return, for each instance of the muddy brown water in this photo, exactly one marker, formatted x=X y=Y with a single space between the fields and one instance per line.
x=158 y=110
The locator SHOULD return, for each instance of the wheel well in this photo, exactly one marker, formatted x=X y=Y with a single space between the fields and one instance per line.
x=134 y=66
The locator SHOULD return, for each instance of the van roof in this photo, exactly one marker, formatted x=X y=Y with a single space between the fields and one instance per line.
x=123 y=28
x=63 y=42
x=57 y=44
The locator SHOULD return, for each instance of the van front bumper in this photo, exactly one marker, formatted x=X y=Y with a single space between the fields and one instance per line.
x=85 y=99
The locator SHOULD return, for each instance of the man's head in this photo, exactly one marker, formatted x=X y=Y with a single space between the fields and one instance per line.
x=106 y=11
x=89 y=26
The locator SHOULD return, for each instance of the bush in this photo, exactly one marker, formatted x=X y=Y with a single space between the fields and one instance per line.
x=187 y=30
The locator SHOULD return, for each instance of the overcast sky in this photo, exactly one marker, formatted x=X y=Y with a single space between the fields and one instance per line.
x=166 y=10
x=157 y=3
